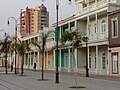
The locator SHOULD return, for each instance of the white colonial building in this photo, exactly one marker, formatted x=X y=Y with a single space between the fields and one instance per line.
x=91 y=20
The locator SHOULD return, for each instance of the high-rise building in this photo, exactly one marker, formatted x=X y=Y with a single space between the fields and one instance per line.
x=33 y=19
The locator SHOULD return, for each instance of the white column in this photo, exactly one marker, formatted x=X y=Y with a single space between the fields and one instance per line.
x=47 y=61
x=96 y=59
x=75 y=24
x=38 y=60
x=69 y=59
x=33 y=58
x=96 y=26
x=28 y=59
x=69 y=26
x=88 y=22
x=54 y=58
x=95 y=3
x=75 y=59
x=60 y=31
x=88 y=57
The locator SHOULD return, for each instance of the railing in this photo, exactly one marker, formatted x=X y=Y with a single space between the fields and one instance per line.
x=95 y=6
x=98 y=36
x=78 y=1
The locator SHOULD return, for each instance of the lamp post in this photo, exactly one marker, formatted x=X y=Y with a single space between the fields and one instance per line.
x=57 y=72
x=85 y=39
x=16 y=20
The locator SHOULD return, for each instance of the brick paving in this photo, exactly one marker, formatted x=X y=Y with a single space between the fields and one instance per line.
x=96 y=76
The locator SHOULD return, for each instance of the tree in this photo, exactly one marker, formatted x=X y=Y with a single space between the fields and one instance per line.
x=5 y=48
x=75 y=40
x=41 y=46
x=21 y=48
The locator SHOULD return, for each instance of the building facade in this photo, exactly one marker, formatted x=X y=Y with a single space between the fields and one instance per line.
x=34 y=55
x=33 y=19
x=114 y=42
x=92 y=21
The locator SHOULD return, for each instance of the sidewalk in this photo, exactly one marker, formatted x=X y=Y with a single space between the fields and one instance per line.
x=96 y=76
x=31 y=81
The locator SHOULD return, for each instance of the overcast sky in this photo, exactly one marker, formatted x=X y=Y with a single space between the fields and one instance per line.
x=12 y=8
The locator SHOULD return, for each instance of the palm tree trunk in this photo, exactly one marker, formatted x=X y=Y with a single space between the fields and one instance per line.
x=22 y=66
x=42 y=66
x=6 y=64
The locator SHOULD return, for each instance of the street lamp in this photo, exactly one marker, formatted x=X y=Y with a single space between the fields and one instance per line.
x=85 y=39
x=57 y=72
x=16 y=20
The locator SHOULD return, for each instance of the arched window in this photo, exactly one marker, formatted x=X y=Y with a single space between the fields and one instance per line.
x=95 y=28
x=103 y=26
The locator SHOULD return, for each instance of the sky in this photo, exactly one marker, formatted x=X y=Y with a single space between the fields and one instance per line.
x=12 y=8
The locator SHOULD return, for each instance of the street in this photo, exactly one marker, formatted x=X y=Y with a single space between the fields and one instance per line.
x=31 y=81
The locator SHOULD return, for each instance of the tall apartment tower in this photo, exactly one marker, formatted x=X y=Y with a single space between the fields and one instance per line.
x=33 y=19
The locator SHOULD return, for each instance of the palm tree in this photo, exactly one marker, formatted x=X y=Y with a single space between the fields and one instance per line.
x=41 y=46
x=75 y=40
x=5 y=48
x=21 y=48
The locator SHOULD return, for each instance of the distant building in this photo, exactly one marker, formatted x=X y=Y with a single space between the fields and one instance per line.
x=114 y=42
x=33 y=19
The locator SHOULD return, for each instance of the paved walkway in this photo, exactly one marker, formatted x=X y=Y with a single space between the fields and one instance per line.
x=31 y=81
x=96 y=76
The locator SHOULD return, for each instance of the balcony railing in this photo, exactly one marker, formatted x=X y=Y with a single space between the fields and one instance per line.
x=95 y=6
x=98 y=36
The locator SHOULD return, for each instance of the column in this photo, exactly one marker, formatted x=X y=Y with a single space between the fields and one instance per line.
x=24 y=59
x=28 y=59
x=47 y=60
x=69 y=26
x=60 y=31
x=95 y=3
x=54 y=58
x=38 y=61
x=88 y=56
x=96 y=25
x=88 y=23
x=69 y=60
x=96 y=59
x=75 y=59
x=75 y=24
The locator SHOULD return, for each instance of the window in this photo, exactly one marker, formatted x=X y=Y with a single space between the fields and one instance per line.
x=95 y=61
x=95 y=28
x=89 y=29
x=115 y=63
x=115 y=27
x=103 y=61
x=26 y=60
x=103 y=27
x=66 y=61
x=31 y=59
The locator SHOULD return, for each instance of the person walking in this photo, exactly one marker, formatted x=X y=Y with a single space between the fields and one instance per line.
x=11 y=66
x=34 y=67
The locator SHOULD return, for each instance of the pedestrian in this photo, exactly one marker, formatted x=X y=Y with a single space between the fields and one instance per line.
x=34 y=67
x=11 y=66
